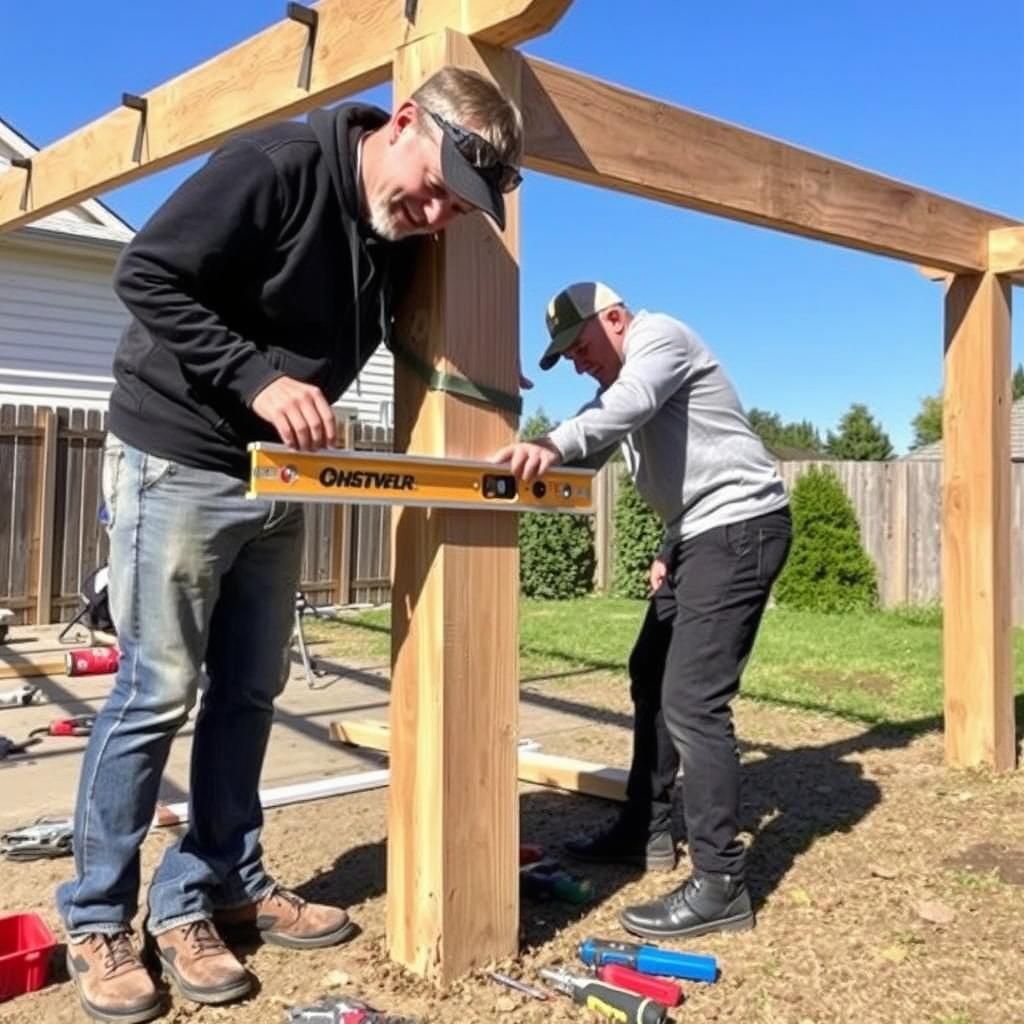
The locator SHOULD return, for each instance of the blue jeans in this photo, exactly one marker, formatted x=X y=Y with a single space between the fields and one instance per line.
x=200 y=578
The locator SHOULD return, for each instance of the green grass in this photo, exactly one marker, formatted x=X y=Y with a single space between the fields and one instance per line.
x=872 y=666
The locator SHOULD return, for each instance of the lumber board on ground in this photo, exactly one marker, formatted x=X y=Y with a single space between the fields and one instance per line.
x=568 y=773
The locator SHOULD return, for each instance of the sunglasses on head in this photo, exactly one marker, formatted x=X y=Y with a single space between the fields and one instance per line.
x=481 y=154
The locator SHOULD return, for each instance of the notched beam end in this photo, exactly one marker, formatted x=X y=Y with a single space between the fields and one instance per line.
x=1006 y=252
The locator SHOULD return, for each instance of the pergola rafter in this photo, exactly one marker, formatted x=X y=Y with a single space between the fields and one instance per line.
x=451 y=857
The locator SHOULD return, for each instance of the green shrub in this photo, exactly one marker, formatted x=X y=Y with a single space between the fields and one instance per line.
x=828 y=569
x=556 y=551
x=638 y=534
x=556 y=555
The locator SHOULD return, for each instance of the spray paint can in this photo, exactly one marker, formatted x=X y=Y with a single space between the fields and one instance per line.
x=92 y=661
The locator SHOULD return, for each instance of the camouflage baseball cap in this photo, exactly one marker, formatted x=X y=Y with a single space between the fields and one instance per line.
x=569 y=311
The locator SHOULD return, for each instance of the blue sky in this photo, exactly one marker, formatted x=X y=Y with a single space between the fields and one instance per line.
x=926 y=92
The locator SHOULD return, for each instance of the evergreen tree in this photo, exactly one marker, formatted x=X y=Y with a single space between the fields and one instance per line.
x=1018 y=382
x=776 y=434
x=828 y=569
x=927 y=423
x=859 y=437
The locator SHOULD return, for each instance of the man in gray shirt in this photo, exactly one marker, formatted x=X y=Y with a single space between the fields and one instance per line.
x=665 y=401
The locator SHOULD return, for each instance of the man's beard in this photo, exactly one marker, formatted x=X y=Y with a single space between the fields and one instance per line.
x=385 y=220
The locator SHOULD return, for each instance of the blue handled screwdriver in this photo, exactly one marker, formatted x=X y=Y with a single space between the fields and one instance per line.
x=649 y=959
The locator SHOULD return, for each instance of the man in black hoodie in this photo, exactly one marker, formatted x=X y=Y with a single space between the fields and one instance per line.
x=257 y=292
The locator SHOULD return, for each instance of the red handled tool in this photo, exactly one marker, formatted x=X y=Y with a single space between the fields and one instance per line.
x=80 y=725
x=666 y=992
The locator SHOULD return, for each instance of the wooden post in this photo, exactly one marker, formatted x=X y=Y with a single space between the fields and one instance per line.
x=453 y=893
x=45 y=500
x=977 y=643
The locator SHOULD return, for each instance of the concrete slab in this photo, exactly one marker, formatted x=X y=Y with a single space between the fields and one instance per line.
x=44 y=780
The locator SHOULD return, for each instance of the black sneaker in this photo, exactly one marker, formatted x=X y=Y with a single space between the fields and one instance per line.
x=703 y=904
x=623 y=842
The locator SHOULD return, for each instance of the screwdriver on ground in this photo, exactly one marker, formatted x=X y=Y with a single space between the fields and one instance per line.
x=649 y=959
x=660 y=989
x=616 y=1003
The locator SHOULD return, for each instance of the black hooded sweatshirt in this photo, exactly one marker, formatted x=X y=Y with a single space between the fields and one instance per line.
x=258 y=266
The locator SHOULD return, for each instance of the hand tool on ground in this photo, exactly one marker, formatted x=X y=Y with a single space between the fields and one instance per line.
x=347 y=1010
x=547 y=879
x=8 y=747
x=664 y=991
x=44 y=838
x=79 y=725
x=519 y=986
x=649 y=959
x=19 y=698
x=616 y=1003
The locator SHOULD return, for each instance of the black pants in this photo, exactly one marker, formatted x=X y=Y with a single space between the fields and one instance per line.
x=685 y=670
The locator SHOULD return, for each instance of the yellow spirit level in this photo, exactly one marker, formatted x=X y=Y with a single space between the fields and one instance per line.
x=375 y=478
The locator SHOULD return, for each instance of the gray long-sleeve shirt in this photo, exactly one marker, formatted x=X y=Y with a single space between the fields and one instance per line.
x=688 y=445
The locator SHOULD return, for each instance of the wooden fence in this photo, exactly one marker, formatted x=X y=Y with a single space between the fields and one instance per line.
x=899 y=509
x=50 y=537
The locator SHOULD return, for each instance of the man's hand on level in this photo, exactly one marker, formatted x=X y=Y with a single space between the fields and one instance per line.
x=528 y=460
x=298 y=412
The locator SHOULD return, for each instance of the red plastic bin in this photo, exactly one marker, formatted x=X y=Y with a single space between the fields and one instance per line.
x=26 y=945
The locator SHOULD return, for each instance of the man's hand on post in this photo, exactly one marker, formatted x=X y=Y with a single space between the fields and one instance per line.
x=528 y=460
x=298 y=412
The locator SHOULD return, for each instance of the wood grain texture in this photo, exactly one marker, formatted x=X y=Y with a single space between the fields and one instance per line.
x=581 y=128
x=568 y=773
x=976 y=553
x=250 y=84
x=1006 y=252
x=453 y=895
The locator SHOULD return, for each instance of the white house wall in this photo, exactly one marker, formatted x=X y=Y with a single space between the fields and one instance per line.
x=60 y=322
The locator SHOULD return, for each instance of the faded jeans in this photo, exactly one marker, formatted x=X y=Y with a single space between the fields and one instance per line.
x=202 y=580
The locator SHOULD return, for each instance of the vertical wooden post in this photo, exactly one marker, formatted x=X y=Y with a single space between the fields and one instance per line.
x=977 y=643
x=453 y=893
x=45 y=499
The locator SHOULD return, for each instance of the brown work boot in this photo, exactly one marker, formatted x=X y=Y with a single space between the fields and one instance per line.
x=200 y=965
x=285 y=919
x=113 y=984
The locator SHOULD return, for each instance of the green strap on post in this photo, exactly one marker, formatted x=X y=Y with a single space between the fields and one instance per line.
x=456 y=385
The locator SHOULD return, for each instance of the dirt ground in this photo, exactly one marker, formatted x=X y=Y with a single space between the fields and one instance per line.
x=888 y=888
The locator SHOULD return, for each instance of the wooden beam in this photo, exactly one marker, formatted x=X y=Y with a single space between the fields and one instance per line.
x=1006 y=253
x=580 y=128
x=253 y=83
x=976 y=562
x=568 y=773
x=453 y=894
x=24 y=666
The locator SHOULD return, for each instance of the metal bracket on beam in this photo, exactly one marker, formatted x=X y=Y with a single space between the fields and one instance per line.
x=141 y=104
x=310 y=18
x=25 y=164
